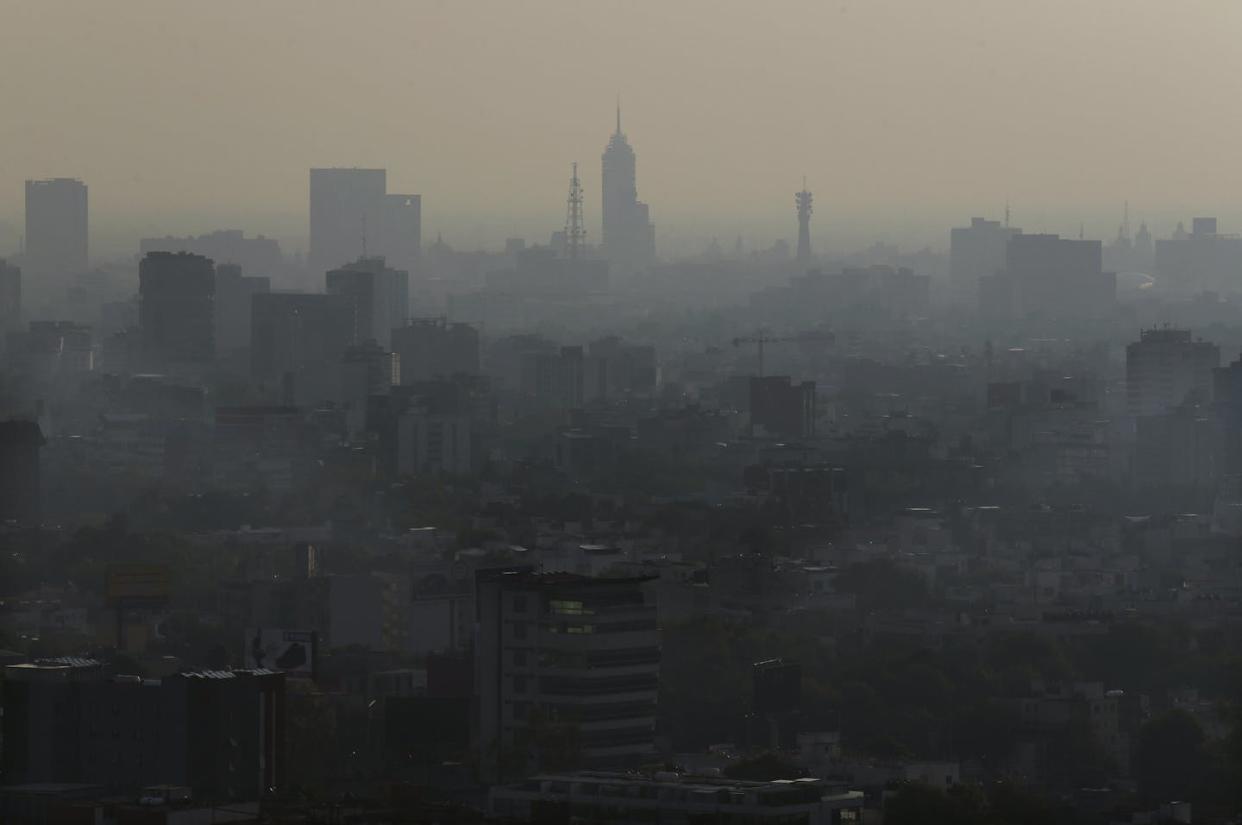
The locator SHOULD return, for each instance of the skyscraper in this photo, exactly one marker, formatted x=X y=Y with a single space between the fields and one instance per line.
x=353 y=215
x=176 y=310
x=1167 y=367
x=628 y=235
x=380 y=295
x=563 y=656
x=56 y=228
x=976 y=252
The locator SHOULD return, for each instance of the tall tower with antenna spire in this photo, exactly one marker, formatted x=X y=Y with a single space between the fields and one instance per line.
x=803 y=200
x=627 y=237
x=575 y=233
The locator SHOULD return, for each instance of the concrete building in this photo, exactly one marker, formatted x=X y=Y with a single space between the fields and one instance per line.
x=233 y=306
x=20 y=482
x=781 y=408
x=367 y=369
x=1165 y=368
x=597 y=796
x=220 y=733
x=176 y=313
x=567 y=671
x=1050 y=277
x=380 y=295
x=435 y=348
x=434 y=441
x=297 y=341
x=975 y=252
x=56 y=229
x=1202 y=259
x=628 y=234
x=259 y=255
x=353 y=215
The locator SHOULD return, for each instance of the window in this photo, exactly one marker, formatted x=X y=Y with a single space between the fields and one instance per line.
x=519 y=658
x=519 y=604
x=519 y=630
x=519 y=684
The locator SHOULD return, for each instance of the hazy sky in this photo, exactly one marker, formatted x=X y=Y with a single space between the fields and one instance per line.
x=905 y=116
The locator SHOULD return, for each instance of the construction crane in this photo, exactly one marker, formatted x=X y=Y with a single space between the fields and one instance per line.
x=762 y=338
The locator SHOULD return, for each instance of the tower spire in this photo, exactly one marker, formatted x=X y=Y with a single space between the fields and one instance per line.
x=574 y=231
x=618 y=114
x=803 y=200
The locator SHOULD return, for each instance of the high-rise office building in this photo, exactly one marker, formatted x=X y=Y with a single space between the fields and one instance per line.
x=56 y=228
x=234 y=301
x=259 y=256
x=176 y=311
x=563 y=658
x=628 y=235
x=380 y=295
x=20 y=487
x=352 y=215
x=434 y=348
x=1165 y=368
x=976 y=252
x=219 y=733
x=781 y=408
x=1050 y=277
x=297 y=341
x=1202 y=259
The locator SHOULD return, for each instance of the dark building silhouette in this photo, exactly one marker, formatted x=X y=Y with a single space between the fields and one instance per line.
x=352 y=215
x=434 y=347
x=379 y=293
x=1166 y=368
x=628 y=235
x=1050 y=277
x=567 y=652
x=10 y=300
x=233 y=305
x=781 y=408
x=297 y=341
x=776 y=701
x=20 y=483
x=220 y=733
x=56 y=228
x=976 y=251
x=176 y=312
x=1227 y=399
x=258 y=256
x=1202 y=259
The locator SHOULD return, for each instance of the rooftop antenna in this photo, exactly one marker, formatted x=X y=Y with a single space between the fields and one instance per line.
x=364 y=234
x=1006 y=213
x=618 y=113
x=574 y=232
x=1125 y=221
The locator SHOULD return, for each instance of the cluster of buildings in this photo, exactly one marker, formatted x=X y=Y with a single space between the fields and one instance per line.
x=434 y=519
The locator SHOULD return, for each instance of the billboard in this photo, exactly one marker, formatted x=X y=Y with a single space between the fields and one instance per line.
x=130 y=583
x=292 y=651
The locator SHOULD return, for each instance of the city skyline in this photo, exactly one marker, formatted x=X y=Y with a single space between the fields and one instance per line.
x=719 y=155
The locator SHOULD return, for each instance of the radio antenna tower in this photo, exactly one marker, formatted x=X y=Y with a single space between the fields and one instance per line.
x=803 y=200
x=574 y=231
